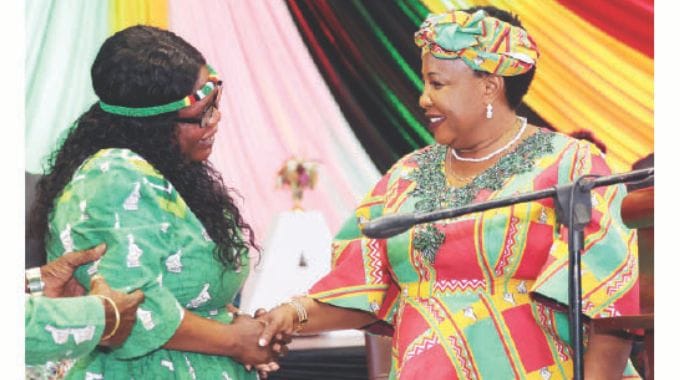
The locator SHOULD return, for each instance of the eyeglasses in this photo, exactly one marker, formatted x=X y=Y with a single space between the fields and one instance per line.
x=209 y=114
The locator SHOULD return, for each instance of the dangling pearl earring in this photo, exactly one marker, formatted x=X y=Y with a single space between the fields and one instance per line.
x=489 y=111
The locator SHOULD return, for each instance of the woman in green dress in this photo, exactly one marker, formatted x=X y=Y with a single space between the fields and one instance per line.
x=132 y=172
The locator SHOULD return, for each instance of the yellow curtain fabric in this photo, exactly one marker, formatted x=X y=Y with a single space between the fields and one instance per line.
x=124 y=13
x=585 y=79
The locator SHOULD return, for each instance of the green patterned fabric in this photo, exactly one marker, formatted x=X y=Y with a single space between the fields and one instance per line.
x=156 y=244
x=61 y=328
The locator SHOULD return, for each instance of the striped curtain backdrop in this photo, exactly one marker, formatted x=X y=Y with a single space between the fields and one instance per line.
x=595 y=72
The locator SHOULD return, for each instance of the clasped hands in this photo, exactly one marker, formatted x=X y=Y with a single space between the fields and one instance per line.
x=266 y=337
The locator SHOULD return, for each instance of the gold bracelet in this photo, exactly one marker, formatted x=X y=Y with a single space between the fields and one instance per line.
x=115 y=325
x=300 y=310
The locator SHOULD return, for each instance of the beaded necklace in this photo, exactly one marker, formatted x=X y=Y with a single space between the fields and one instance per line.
x=497 y=151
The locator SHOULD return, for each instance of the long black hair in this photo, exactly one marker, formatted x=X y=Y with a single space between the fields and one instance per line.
x=137 y=67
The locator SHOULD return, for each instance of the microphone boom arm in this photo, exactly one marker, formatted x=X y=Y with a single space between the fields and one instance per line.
x=388 y=226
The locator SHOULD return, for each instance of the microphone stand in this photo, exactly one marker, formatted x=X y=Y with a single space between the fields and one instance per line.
x=574 y=207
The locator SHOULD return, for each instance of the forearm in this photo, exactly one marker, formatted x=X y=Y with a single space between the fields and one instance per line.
x=198 y=334
x=606 y=357
x=326 y=317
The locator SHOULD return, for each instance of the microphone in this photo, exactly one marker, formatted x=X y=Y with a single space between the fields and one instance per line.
x=388 y=226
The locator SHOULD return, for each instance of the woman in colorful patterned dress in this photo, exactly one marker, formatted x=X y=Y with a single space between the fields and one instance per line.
x=133 y=173
x=480 y=296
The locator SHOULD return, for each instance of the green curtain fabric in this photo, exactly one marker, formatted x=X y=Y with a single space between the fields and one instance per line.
x=62 y=39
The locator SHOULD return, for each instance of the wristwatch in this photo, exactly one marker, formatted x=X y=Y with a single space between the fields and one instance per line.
x=35 y=282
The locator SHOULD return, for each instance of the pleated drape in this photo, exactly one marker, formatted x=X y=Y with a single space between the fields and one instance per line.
x=62 y=39
x=275 y=105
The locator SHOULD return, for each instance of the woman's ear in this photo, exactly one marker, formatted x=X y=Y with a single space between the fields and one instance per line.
x=493 y=87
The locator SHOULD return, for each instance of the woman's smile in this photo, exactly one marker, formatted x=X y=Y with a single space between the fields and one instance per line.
x=207 y=141
x=434 y=121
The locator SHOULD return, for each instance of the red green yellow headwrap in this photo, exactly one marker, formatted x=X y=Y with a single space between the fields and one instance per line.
x=207 y=89
x=484 y=43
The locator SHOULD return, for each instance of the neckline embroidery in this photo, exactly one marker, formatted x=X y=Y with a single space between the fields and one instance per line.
x=433 y=192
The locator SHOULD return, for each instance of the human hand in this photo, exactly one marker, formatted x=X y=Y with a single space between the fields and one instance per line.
x=247 y=351
x=126 y=304
x=279 y=347
x=280 y=341
x=263 y=370
x=58 y=274
x=279 y=325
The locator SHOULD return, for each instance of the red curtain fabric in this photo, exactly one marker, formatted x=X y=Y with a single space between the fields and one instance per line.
x=629 y=21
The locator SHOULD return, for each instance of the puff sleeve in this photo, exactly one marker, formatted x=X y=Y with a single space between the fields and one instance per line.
x=118 y=198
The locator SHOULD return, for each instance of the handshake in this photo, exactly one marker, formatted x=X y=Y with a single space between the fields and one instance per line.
x=263 y=338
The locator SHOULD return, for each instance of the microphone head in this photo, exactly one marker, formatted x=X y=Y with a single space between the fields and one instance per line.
x=387 y=226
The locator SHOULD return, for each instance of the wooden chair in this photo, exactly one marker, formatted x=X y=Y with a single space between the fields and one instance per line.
x=637 y=211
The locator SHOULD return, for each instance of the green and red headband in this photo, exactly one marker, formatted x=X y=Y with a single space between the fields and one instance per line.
x=207 y=89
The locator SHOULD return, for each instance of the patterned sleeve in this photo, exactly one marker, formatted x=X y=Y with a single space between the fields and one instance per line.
x=60 y=328
x=609 y=262
x=118 y=198
x=360 y=277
